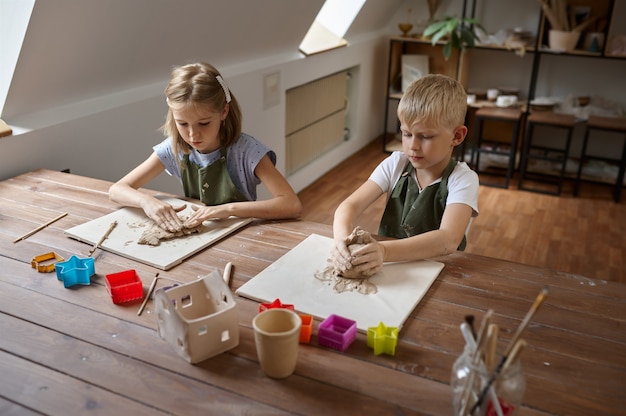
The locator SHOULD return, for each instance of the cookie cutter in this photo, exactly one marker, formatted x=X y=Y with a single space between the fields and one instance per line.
x=275 y=304
x=306 y=330
x=36 y=262
x=336 y=332
x=76 y=271
x=382 y=339
x=124 y=286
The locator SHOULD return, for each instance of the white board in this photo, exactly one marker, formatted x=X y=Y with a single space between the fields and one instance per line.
x=292 y=280
x=131 y=224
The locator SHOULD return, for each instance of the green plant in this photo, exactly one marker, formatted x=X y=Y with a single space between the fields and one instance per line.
x=459 y=32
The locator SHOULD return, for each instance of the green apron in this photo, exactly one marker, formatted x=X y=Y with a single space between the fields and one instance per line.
x=211 y=184
x=410 y=212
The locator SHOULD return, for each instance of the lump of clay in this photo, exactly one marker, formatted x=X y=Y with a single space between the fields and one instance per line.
x=357 y=239
x=155 y=234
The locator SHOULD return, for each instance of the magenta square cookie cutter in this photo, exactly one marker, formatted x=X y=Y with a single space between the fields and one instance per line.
x=336 y=332
x=75 y=271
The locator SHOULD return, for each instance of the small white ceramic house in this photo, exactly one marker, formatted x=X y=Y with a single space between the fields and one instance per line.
x=198 y=319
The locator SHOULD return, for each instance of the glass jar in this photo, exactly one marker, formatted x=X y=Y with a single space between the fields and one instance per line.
x=469 y=380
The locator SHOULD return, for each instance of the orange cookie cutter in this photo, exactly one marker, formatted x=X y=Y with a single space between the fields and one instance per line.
x=46 y=257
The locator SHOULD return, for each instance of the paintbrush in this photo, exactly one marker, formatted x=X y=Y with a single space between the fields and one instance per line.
x=145 y=301
x=538 y=301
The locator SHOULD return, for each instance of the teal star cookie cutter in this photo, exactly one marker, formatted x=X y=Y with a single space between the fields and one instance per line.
x=75 y=271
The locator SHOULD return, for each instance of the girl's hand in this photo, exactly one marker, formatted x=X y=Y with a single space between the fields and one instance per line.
x=205 y=213
x=163 y=214
x=368 y=260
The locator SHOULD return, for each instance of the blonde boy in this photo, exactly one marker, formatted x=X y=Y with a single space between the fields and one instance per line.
x=431 y=198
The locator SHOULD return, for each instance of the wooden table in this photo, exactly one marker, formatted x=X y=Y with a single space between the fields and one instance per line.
x=72 y=351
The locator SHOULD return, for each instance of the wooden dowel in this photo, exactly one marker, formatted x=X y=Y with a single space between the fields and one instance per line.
x=227 y=272
x=104 y=237
x=41 y=227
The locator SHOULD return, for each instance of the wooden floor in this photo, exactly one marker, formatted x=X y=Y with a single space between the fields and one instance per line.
x=584 y=235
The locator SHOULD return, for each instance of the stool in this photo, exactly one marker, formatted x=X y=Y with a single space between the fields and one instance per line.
x=508 y=115
x=556 y=155
x=608 y=124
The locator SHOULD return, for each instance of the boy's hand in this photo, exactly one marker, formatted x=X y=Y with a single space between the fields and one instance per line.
x=368 y=260
x=340 y=256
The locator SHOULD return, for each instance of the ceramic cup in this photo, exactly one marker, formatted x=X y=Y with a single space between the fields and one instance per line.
x=506 y=100
x=492 y=94
x=277 y=336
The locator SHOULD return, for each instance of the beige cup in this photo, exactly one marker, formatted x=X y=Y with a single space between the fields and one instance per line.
x=277 y=335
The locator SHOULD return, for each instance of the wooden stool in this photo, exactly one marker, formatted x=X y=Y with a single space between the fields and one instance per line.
x=610 y=124
x=557 y=155
x=508 y=115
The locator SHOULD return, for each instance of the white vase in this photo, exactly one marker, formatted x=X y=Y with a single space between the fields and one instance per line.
x=559 y=40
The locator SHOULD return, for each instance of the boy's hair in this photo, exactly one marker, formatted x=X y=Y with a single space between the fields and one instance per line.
x=197 y=85
x=435 y=98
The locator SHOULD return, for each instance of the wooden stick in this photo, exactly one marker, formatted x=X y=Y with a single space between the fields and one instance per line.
x=227 y=272
x=41 y=227
x=145 y=301
x=514 y=355
x=104 y=237
x=492 y=342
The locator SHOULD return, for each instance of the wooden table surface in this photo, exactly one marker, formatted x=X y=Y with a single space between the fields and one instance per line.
x=72 y=351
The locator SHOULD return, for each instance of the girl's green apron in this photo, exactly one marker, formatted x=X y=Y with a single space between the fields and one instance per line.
x=410 y=212
x=210 y=184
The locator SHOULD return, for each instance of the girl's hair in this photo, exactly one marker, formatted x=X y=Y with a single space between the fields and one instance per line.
x=434 y=98
x=198 y=85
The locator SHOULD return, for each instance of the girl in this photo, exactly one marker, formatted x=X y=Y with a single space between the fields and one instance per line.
x=206 y=150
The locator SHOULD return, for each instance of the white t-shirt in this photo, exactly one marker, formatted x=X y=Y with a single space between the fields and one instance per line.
x=242 y=159
x=462 y=183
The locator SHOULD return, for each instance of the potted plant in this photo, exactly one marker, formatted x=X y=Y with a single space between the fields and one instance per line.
x=459 y=33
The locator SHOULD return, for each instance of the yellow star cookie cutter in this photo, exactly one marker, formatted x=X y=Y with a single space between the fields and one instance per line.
x=46 y=257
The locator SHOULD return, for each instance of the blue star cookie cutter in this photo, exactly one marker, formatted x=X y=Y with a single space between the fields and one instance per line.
x=75 y=271
x=382 y=339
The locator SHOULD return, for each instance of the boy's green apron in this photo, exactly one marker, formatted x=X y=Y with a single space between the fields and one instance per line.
x=211 y=184
x=410 y=212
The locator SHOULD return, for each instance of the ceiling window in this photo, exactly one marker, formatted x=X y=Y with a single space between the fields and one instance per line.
x=330 y=26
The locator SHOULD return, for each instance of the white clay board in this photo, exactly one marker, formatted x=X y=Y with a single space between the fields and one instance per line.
x=131 y=224
x=291 y=279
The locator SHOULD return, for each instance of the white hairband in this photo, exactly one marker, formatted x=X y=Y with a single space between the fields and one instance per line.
x=224 y=87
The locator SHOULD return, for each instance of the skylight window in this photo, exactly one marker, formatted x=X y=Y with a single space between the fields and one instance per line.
x=330 y=26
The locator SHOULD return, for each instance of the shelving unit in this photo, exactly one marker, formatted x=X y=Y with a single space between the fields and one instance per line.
x=399 y=46
x=458 y=66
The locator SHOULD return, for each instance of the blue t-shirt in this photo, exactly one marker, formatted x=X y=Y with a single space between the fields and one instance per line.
x=242 y=158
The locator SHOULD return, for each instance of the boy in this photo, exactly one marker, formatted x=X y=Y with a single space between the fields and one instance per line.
x=431 y=198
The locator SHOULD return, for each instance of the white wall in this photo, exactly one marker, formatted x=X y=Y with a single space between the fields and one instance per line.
x=87 y=94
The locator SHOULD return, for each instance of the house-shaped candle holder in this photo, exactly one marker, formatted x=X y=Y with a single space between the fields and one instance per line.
x=336 y=332
x=75 y=271
x=382 y=339
x=198 y=319
x=124 y=286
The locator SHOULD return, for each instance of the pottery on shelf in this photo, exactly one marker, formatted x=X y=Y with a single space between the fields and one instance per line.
x=405 y=28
